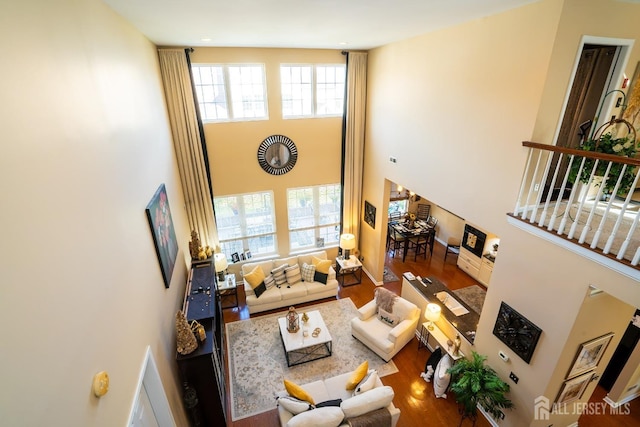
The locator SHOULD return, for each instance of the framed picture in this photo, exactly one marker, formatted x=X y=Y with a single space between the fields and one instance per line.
x=516 y=331
x=247 y=254
x=164 y=235
x=235 y=257
x=589 y=355
x=242 y=256
x=572 y=389
x=320 y=242
x=370 y=214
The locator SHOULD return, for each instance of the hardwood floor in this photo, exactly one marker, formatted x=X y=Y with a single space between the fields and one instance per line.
x=413 y=396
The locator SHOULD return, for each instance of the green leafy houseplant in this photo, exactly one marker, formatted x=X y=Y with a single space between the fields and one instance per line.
x=475 y=384
x=607 y=144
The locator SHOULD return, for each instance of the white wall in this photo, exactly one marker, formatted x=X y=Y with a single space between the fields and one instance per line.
x=453 y=107
x=85 y=144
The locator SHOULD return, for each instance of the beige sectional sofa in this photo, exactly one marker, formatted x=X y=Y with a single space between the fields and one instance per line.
x=289 y=293
x=348 y=406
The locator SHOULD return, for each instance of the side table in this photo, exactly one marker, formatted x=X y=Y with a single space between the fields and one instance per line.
x=440 y=340
x=228 y=290
x=351 y=267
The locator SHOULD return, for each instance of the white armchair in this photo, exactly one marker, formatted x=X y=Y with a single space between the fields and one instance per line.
x=386 y=333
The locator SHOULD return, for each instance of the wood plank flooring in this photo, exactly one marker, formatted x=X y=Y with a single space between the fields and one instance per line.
x=414 y=396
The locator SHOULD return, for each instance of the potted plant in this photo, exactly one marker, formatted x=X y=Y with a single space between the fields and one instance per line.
x=475 y=384
x=606 y=143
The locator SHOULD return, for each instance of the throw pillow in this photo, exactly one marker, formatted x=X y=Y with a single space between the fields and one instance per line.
x=321 y=265
x=279 y=275
x=293 y=405
x=256 y=280
x=357 y=375
x=307 y=271
x=293 y=274
x=387 y=318
x=379 y=397
x=269 y=282
x=335 y=402
x=320 y=277
x=367 y=383
x=298 y=392
x=330 y=416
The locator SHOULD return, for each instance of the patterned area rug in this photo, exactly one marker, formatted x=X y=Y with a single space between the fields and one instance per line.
x=389 y=276
x=257 y=363
x=473 y=295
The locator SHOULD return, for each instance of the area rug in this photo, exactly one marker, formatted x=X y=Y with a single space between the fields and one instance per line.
x=473 y=295
x=257 y=363
x=389 y=276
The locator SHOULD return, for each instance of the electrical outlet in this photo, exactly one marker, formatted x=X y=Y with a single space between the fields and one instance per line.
x=513 y=377
x=536 y=187
x=393 y=159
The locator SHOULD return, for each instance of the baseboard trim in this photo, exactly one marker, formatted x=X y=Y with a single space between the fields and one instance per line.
x=627 y=399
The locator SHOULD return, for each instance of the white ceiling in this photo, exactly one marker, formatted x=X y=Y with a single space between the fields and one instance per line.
x=323 y=24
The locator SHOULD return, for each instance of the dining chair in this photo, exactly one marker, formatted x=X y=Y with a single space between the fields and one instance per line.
x=453 y=246
x=424 y=210
x=419 y=245
x=396 y=242
x=432 y=222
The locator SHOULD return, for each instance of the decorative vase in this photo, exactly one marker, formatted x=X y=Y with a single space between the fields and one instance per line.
x=305 y=318
x=186 y=341
x=293 y=321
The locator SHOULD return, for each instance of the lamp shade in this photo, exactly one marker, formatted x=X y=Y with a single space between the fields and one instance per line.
x=347 y=241
x=220 y=262
x=432 y=312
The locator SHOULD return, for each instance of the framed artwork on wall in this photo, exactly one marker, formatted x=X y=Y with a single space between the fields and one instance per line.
x=164 y=235
x=517 y=332
x=589 y=355
x=573 y=388
x=370 y=214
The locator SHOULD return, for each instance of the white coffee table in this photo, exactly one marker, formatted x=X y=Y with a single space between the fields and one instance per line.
x=299 y=348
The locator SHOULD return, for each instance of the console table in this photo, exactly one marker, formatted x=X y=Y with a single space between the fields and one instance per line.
x=202 y=370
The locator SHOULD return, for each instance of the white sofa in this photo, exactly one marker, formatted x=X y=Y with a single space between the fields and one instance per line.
x=384 y=339
x=287 y=296
x=334 y=388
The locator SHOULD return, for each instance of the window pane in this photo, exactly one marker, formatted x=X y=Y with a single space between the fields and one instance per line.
x=296 y=90
x=210 y=91
x=330 y=89
x=248 y=94
x=246 y=222
x=314 y=212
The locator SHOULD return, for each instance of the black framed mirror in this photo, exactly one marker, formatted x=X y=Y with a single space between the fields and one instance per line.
x=277 y=154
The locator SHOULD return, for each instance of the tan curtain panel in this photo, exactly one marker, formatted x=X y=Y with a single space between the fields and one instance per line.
x=354 y=142
x=187 y=143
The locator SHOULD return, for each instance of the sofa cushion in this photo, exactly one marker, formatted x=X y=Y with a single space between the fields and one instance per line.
x=308 y=258
x=317 y=287
x=293 y=274
x=367 y=383
x=357 y=375
x=321 y=265
x=330 y=416
x=298 y=392
x=279 y=275
x=374 y=330
x=388 y=318
x=269 y=296
x=368 y=401
x=282 y=261
x=289 y=291
x=294 y=405
x=307 y=272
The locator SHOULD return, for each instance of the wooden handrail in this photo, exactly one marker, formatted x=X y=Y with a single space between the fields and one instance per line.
x=581 y=153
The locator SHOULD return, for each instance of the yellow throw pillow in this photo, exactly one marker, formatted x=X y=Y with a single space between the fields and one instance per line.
x=255 y=278
x=357 y=375
x=298 y=392
x=322 y=265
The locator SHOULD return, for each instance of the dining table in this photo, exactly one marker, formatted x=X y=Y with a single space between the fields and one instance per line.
x=420 y=228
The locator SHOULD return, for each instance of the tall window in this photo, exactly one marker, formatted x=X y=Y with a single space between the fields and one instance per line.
x=312 y=90
x=314 y=214
x=246 y=222
x=231 y=92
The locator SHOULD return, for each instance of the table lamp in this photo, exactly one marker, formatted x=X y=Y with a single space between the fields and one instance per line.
x=347 y=242
x=432 y=313
x=220 y=263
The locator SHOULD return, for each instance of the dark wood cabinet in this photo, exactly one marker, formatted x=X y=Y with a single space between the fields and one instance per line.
x=202 y=371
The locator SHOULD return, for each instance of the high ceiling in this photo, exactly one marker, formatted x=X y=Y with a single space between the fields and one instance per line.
x=322 y=24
